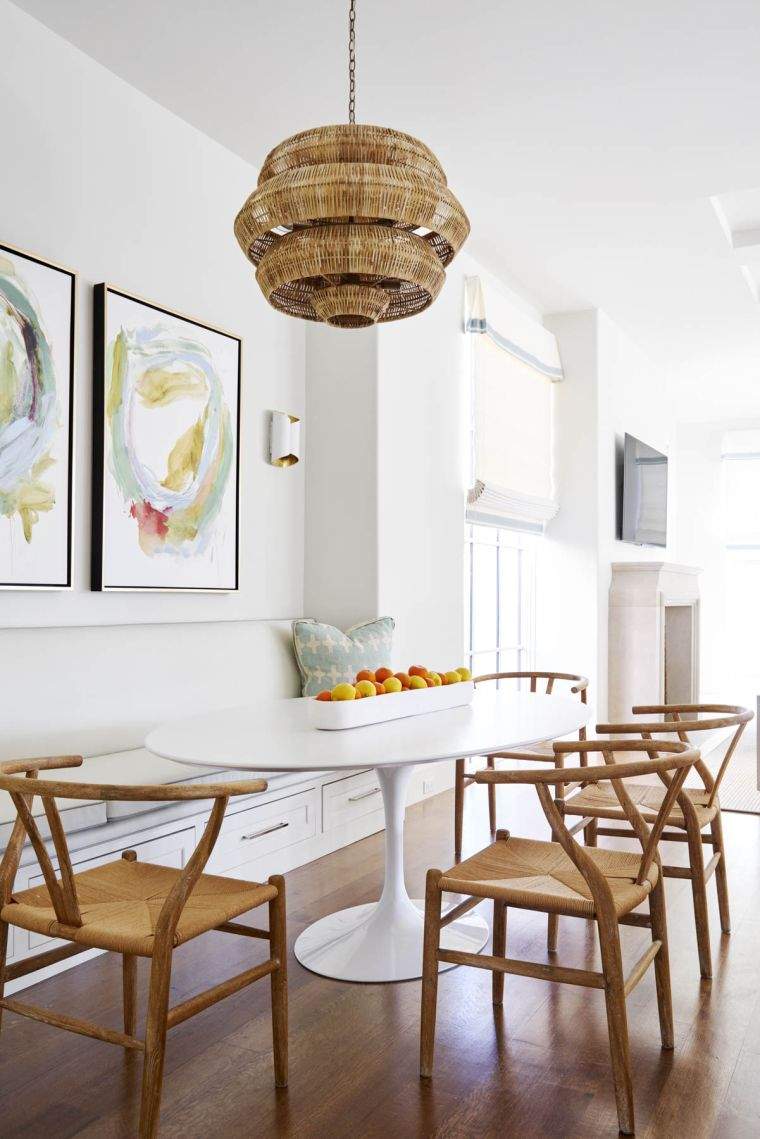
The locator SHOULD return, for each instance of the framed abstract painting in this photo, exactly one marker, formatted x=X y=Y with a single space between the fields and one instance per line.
x=37 y=314
x=166 y=441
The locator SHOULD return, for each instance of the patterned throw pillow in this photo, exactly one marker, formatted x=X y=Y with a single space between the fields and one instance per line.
x=326 y=656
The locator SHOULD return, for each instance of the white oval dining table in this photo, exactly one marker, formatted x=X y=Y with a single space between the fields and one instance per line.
x=381 y=941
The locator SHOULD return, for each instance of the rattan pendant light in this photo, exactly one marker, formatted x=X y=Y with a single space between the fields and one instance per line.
x=351 y=224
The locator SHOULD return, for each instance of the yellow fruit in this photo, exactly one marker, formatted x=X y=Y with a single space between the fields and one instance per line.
x=392 y=684
x=435 y=679
x=453 y=677
x=417 y=682
x=464 y=673
x=343 y=692
x=366 y=688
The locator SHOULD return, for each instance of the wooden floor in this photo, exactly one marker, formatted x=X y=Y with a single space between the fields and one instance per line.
x=538 y=1067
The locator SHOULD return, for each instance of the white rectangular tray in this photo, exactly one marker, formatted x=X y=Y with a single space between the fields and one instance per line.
x=332 y=715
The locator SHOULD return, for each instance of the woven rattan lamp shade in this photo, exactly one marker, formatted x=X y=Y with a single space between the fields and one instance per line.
x=352 y=225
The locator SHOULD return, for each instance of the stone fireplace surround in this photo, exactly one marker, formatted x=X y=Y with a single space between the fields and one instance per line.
x=653 y=636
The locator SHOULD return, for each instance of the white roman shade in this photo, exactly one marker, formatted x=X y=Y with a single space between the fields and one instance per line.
x=515 y=364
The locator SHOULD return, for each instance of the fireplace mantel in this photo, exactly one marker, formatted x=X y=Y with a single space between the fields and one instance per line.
x=653 y=635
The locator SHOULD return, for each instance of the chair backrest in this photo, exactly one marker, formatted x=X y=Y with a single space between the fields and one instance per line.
x=678 y=758
x=578 y=684
x=20 y=779
x=683 y=721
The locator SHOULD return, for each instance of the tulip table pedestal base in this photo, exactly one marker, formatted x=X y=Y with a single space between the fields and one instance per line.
x=382 y=941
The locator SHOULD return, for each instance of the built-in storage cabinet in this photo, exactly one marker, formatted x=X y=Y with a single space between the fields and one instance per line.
x=259 y=831
x=347 y=799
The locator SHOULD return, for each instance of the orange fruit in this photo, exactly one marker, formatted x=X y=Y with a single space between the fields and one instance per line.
x=429 y=681
x=382 y=674
x=366 y=674
x=326 y=695
x=403 y=677
x=417 y=670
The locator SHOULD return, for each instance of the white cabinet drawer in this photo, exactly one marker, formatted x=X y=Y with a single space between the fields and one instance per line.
x=250 y=834
x=170 y=850
x=350 y=798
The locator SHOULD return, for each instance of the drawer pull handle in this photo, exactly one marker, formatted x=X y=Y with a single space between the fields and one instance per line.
x=364 y=795
x=266 y=830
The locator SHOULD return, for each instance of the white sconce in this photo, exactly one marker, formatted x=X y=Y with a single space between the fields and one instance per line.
x=284 y=439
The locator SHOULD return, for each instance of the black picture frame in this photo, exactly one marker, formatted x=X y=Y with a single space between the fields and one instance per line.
x=101 y=292
x=24 y=255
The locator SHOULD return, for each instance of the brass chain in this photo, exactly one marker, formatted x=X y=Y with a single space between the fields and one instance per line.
x=352 y=61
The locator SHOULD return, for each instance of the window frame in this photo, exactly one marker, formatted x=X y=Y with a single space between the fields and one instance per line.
x=524 y=542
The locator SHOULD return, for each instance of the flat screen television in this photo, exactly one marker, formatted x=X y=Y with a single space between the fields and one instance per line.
x=645 y=494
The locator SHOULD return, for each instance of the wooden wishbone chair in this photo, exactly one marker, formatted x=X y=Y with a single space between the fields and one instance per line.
x=563 y=877
x=696 y=808
x=543 y=753
x=135 y=909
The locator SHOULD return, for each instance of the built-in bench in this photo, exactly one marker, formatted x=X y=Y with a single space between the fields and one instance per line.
x=97 y=692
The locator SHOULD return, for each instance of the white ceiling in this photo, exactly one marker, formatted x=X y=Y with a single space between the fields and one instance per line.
x=584 y=137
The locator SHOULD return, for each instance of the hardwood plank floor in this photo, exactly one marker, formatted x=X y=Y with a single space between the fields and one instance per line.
x=537 y=1067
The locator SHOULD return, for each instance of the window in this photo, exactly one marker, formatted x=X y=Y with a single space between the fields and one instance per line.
x=499 y=599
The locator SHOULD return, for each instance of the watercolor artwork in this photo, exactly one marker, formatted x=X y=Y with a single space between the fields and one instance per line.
x=166 y=442
x=36 y=421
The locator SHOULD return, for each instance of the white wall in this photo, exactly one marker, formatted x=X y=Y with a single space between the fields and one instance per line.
x=341 y=548
x=99 y=178
x=700 y=539
x=610 y=388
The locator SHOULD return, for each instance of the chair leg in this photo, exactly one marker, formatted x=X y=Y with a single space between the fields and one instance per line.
x=458 y=808
x=662 y=963
x=499 y=947
x=617 y=1020
x=279 y=980
x=491 y=764
x=129 y=987
x=552 y=932
x=589 y=833
x=3 y=955
x=699 y=894
x=430 y=971
x=721 y=874
x=155 y=1041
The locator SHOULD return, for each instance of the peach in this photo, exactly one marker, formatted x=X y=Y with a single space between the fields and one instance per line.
x=326 y=695
x=343 y=692
x=366 y=674
x=365 y=688
x=417 y=681
x=417 y=670
x=403 y=677
x=379 y=688
x=429 y=681
x=383 y=674
x=453 y=677
x=464 y=673
x=436 y=679
x=391 y=684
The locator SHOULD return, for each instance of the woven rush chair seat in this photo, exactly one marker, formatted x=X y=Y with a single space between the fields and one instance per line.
x=539 y=875
x=120 y=904
x=602 y=803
